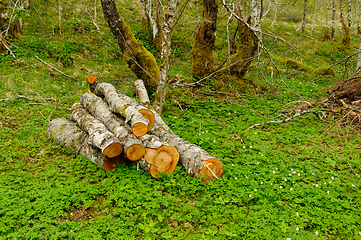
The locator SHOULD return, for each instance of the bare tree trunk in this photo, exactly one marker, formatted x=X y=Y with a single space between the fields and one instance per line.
x=333 y=19
x=202 y=51
x=304 y=17
x=141 y=61
x=256 y=15
x=349 y=17
x=169 y=18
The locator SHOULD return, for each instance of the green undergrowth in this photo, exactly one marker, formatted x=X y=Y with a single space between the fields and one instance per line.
x=294 y=180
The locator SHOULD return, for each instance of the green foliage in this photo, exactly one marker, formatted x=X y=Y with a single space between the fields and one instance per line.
x=298 y=180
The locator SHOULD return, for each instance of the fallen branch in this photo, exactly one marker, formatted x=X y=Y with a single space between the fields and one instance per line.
x=54 y=67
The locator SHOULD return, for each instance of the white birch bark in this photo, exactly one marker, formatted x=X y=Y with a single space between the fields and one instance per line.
x=349 y=17
x=138 y=123
x=195 y=160
x=133 y=147
x=99 y=135
x=169 y=18
x=304 y=17
x=70 y=136
x=256 y=12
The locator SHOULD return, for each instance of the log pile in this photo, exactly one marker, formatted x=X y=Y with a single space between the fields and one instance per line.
x=110 y=128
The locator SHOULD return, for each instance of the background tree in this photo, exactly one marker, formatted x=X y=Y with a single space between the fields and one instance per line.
x=333 y=29
x=303 y=24
x=202 y=51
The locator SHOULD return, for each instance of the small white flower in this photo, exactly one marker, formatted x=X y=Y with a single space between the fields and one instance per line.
x=329 y=182
x=199 y=134
x=288 y=239
x=274 y=172
x=246 y=177
x=206 y=131
x=250 y=146
x=234 y=112
x=271 y=183
x=328 y=192
x=359 y=233
x=250 y=195
x=202 y=132
x=332 y=177
x=255 y=190
x=229 y=113
x=262 y=155
x=281 y=187
x=232 y=164
x=316 y=233
x=244 y=147
x=255 y=133
x=291 y=189
x=235 y=178
x=297 y=214
x=258 y=163
x=261 y=182
x=325 y=183
x=276 y=168
x=285 y=180
x=297 y=228
x=290 y=174
x=316 y=185
x=214 y=140
x=299 y=174
x=291 y=169
x=353 y=185
x=294 y=172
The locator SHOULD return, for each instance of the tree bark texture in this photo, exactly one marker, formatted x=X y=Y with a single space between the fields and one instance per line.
x=70 y=136
x=133 y=147
x=349 y=17
x=358 y=67
x=304 y=17
x=144 y=100
x=196 y=161
x=139 y=60
x=168 y=24
x=138 y=123
x=256 y=15
x=202 y=51
x=99 y=135
x=247 y=49
x=346 y=39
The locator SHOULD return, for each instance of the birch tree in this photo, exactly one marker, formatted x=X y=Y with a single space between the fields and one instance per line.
x=333 y=19
x=358 y=67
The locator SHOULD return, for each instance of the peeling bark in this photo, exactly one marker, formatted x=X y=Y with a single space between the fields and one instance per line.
x=139 y=60
x=70 y=136
x=138 y=123
x=202 y=51
x=133 y=147
x=196 y=161
x=99 y=135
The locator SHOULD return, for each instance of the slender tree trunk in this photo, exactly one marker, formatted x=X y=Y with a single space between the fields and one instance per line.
x=168 y=24
x=141 y=61
x=333 y=19
x=202 y=51
x=256 y=15
x=349 y=16
x=304 y=17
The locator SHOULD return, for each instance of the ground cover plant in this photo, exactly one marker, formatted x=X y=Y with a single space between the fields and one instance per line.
x=295 y=180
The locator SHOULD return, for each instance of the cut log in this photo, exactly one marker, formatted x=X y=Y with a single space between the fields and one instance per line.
x=133 y=147
x=196 y=161
x=160 y=157
x=70 y=136
x=99 y=135
x=144 y=100
x=139 y=124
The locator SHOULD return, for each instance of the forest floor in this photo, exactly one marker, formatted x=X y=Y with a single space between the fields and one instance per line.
x=298 y=179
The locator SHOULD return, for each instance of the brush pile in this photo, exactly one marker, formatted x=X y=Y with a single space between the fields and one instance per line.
x=110 y=128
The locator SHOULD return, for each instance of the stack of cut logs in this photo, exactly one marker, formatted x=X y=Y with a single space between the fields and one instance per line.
x=108 y=128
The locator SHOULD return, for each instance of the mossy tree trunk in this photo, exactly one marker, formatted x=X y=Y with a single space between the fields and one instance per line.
x=202 y=51
x=139 y=60
x=247 y=49
x=10 y=27
x=346 y=40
